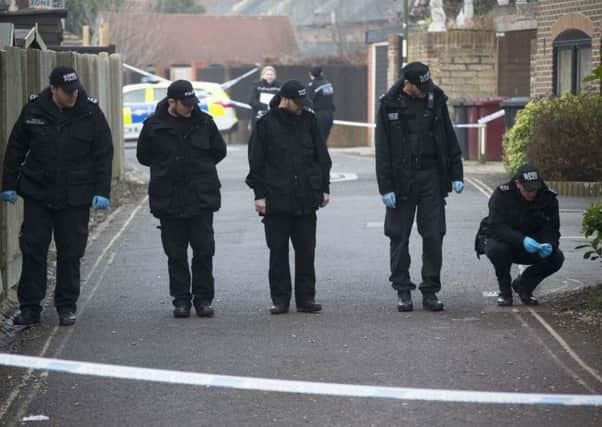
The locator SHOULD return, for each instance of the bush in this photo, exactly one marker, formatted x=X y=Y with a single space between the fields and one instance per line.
x=592 y=227
x=561 y=136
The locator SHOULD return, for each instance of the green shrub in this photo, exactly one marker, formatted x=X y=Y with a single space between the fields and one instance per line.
x=561 y=136
x=592 y=227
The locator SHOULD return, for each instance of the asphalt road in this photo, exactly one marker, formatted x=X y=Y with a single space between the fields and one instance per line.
x=359 y=338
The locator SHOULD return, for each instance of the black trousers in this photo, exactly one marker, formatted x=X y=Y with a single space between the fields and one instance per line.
x=324 y=118
x=426 y=200
x=301 y=231
x=70 y=227
x=176 y=235
x=502 y=256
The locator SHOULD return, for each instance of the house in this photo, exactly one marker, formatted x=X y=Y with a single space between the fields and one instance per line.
x=176 y=45
x=568 y=46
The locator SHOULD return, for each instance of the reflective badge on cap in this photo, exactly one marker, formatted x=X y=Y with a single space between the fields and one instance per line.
x=71 y=77
x=530 y=176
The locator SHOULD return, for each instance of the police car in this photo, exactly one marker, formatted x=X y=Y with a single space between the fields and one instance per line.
x=140 y=100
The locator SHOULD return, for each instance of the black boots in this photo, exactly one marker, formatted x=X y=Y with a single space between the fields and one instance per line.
x=279 y=309
x=181 y=310
x=67 y=317
x=431 y=302
x=203 y=309
x=404 y=301
x=504 y=300
x=27 y=317
x=526 y=298
x=309 y=307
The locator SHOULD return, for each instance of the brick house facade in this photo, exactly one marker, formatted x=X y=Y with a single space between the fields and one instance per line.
x=568 y=46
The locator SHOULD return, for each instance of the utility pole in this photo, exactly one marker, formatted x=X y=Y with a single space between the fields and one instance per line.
x=406 y=22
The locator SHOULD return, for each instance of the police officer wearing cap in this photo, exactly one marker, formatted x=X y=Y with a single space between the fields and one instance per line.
x=523 y=228
x=321 y=94
x=58 y=159
x=262 y=92
x=418 y=162
x=181 y=145
x=290 y=176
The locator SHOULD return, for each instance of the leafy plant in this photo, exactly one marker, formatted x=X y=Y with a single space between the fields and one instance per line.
x=592 y=227
x=596 y=74
x=561 y=136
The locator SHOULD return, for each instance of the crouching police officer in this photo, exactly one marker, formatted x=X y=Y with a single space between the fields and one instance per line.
x=182 y=145
x=290 y=175
x=523 y=228
x=418 y=162
x=59 y=159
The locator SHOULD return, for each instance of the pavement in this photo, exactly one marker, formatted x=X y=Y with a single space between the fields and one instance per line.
x=359 y=338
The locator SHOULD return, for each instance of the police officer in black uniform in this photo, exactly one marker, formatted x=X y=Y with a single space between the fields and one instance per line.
x=522 y=227
x=321 y=94
x=262 y=92
x=290 y=176
x=59 y=160
x=182 y=145
x=418 y=162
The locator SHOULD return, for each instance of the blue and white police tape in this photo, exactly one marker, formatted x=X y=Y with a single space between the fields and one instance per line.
x=301 y=387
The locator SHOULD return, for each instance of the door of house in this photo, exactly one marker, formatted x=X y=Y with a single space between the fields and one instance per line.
x=514 y=59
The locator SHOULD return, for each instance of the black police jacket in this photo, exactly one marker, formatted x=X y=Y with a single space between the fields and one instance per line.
x=289 y=162
x=395 y=163
x=183 y=176
x=512 y=218
x=257 y=89
x=60 y=158
x=321 y=94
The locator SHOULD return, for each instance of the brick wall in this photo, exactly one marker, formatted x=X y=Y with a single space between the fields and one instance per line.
x=554 y=17
x=462 y=62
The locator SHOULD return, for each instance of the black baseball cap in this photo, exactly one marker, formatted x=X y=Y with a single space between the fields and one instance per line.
x=419 y=74
x=316 y=71
x=182 y=90
x=529 y=177
x=65 y=78
x=295 y=90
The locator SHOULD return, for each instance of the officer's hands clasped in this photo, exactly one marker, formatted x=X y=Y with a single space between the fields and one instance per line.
x=545 y=250
x=9 y=196
x=389 y=200
x=531 y=245
x=325 y=200
x=458 y=186
x=260 y=206
x=100 y=202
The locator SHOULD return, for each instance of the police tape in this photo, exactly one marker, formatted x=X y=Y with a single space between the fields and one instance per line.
x=299 y=387
x=372 y=125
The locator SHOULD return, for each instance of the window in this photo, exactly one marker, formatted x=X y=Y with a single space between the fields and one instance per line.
x=134 y=97
x=572 y=62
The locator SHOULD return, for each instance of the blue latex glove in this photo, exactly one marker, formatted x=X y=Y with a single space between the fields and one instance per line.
x=389 y=200
x=531 y=245
x=9 y=196
x=545 y=250
x=100 y=202
x=458 y=186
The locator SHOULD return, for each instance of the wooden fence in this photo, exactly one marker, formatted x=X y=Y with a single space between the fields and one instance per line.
x=24 y=72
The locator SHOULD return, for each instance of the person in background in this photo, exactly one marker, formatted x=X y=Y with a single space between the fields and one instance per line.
x=262 y=92
x=321 y=94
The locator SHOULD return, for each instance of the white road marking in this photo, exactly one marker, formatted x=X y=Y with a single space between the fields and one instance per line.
x=566 y=347
x=301 y=387
x=342 y=176
x=27 y=375
x=375 y=224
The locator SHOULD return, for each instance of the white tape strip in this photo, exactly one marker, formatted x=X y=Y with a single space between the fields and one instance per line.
x=303 y=387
